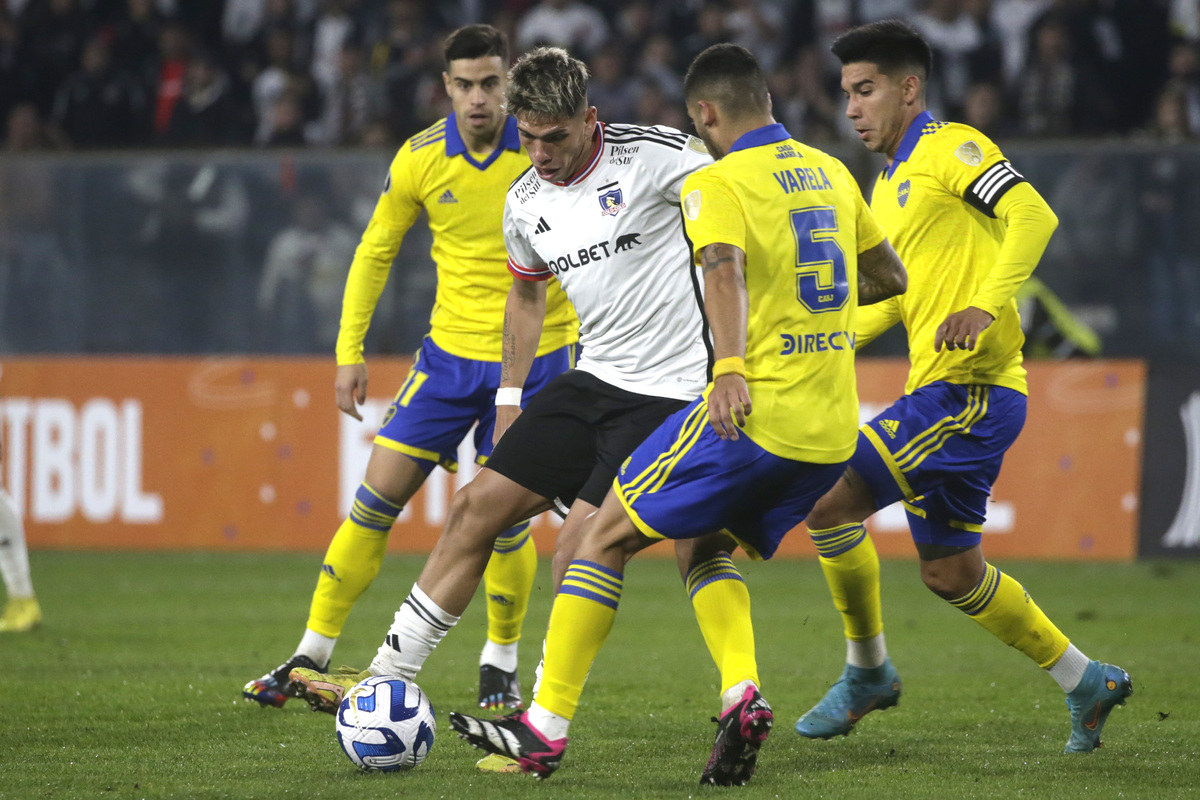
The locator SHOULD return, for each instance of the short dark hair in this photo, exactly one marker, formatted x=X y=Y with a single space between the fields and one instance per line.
x=889 y=44
x=475 y=41
x=728 y=74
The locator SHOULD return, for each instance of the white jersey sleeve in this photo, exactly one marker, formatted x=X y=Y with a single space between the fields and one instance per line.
x=523 y=260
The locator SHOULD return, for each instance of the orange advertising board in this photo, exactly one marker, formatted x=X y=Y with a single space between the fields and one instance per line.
x=251 y=454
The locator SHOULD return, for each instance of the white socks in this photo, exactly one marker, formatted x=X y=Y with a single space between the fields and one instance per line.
x=317 y=647
x=419 y=625
x=500 y=656
x=734 y=694
x=14 y=558
x=1068 y=670
x=867 y=654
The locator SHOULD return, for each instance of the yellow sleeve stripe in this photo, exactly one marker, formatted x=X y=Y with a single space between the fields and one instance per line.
x=655 y=475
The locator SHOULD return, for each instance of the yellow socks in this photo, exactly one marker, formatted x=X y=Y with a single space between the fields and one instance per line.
x=851 y=568
x=508 y=580
x=580 y=621
x=722 y=605
x=352 y=561
x=1004 y=608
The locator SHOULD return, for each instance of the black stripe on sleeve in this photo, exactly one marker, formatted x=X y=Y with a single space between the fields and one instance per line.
x=986 y=190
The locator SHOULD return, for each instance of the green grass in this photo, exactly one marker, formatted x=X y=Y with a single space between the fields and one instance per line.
x=132 y=688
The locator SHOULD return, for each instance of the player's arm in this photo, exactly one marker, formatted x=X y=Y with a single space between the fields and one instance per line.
x=1002 y=193
x=395 y=212
x=524 y=315
x=881 y=274
x=727 y=306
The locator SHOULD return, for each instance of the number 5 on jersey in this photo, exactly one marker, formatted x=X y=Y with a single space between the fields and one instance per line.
x=817 y=255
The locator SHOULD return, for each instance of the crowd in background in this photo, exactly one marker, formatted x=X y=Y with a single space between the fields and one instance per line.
x=182 y=73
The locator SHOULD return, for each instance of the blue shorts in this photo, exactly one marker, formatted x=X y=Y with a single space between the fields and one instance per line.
x=939 y=450
x=684 y=481
x=444 y=395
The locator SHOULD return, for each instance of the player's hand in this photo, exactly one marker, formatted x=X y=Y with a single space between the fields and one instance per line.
x=350 y=388
x=728 y=403
x=505 y=417
x=960 y=330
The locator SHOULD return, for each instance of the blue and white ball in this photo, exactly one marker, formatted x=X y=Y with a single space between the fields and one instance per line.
x=386 y=724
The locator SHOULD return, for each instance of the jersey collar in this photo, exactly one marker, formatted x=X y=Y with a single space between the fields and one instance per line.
x=455 y=146
x=909 y=142
x=767 y=134
x=592 y=162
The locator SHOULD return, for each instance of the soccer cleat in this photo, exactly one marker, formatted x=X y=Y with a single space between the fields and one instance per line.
x=498 y=690
x=512 y=737
x=323 y=691
x=857 y=692
x=741 y=731
x=21 y=615
x=1102 y=688
x=274 y=688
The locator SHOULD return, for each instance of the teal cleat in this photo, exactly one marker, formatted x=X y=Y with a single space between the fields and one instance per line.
x=1102 y=688
x=859 y=691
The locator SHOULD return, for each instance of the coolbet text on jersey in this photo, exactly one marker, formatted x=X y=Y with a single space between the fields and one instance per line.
x=464 y=199
x=802 y=286
x=937 y=203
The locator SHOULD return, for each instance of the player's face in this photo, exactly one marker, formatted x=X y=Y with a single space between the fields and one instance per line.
x=476 y=89
x=558 y=148
x=877 y=105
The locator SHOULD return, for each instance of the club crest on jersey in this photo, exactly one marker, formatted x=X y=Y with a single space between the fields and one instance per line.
x=970 y=154
x=902 y=193
x=611 y=202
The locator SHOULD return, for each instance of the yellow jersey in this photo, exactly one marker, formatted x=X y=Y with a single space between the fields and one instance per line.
x=799 y=217
x=464 y=200
x=937 y=204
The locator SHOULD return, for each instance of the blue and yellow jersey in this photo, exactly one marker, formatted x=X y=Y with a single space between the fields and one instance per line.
x=464 y=199
x=941 y=203
x=798 y=215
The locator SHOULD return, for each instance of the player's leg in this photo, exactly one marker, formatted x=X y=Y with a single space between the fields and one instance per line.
x=512 y=569
x=21 y=612
x=580 y=621
x=721 y=602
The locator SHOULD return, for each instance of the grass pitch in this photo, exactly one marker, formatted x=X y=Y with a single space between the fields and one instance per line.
x=132 y=688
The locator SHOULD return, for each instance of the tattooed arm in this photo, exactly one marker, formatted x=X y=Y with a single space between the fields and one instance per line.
x=880 y=274
x=727 y=307
x=524 y=313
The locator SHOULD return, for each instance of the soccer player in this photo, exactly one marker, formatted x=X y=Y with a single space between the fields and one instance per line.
x=789 y=249
x=598 y=211
x=22 y=612
x=970 y=229
x=457 y=171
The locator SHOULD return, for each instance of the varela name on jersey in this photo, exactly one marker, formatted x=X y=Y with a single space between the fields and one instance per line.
x=612 y=236
x=464 y=200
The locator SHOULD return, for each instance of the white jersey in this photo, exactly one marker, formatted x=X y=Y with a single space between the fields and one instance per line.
x=613 y=237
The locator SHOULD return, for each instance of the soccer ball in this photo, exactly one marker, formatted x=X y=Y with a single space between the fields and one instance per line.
x=386 y=724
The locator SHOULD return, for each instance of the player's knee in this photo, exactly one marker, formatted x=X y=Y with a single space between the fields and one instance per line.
x=944 y=579
x=475 y=516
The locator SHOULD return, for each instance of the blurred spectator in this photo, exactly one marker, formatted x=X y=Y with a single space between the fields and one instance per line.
x=135 y=36
x=611 y=90
x=710 y=29
x=984 y=111
x=1183 y=86
x=17 y=80
x=653 y=108
x=208 y=114
x=757 y=25
x=241 y=21
x=954 y=37
x=657 y=66
x=100 y=106
x=334 y=28
x=1012 y=20
x=635 y=23
x=410 y=52
x=287 y=122
x=304 y=276
x=1057 y=97
x=566 y=23
x=803 y=103
x=168 y=73
x=353 y=101
x=1185 y=19
x=272 y=83
x=24 y=131
x=54 y=32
